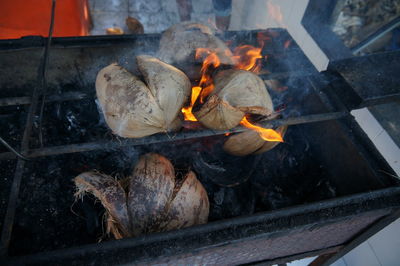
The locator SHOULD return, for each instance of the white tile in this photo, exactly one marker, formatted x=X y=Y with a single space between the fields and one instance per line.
x=389 y=150
x=368 y=122
x=302 y=262
x=236 y=15
x=386 y=244
x=308 y=46
x=339 y=262
x=296 y=12
x=381 y=139
x=363 y=255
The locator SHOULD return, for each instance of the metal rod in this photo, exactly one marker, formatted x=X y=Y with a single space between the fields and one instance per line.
x=8 y=146
x=284 y=75
x=71 y=96
x=67 y=96
x=44 y=70
x=13 y=198
x=376 y=35
x=160 y=138
x=15 y=186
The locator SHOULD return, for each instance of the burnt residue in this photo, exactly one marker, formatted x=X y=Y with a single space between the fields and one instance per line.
x=48 y=217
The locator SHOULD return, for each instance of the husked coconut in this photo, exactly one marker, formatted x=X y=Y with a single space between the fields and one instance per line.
x=112 y=196
x=178 y=44
x=136 y=109
x=250 y=142
x=236 y=93
x=153 y=201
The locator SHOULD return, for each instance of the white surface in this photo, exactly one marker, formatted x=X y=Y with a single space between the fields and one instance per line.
x=386 y=245
x=263 y=14
x=381 y=139
x=302 y=262
x=362 y=255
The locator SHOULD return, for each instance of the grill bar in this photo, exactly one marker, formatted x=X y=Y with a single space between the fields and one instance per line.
x=15 y=187
x=73 y=96
x=68 y=96
x=13 y=198
x=113 y=144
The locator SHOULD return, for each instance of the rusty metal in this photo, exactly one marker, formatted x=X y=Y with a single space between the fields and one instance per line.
x=160 y=138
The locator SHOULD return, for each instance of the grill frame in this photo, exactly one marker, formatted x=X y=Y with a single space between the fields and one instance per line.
x=384 y=204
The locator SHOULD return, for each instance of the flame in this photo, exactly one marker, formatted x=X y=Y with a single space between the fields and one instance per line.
x=265 y=133
x=211 y=59
x=245 y=57
x=187 y=111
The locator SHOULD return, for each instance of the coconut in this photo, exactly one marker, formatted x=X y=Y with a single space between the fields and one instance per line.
x=236 y=93
x=250 y=142
x=178 y=44
x=134 y=109
x=112 y=196
x=152 y=199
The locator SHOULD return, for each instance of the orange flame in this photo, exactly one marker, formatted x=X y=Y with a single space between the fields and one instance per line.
x=187 y=111
x=211 y=59
x=245 y=57
x=265 y=133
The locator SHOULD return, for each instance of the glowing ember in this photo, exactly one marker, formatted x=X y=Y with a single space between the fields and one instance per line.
x=187 y=112
x=265 y=133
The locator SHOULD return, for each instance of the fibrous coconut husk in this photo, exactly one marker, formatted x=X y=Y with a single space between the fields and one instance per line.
x=153 y=201
x=134 y=109
x=250 y=142
x=178 y=44
x=236 y=93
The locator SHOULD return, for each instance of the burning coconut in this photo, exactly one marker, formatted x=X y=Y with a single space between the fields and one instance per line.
x=228 y=93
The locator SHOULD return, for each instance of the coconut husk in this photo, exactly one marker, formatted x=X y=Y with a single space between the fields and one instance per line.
x=178 y=44
x=236 y=93
x=133 y=109
x=150 y=191
x=153 y=201
x=250 y=142
x=269 y=145
x=190 y=206
x=111 y=195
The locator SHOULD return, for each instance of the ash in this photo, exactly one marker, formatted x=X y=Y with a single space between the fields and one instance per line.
x=48 y=217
